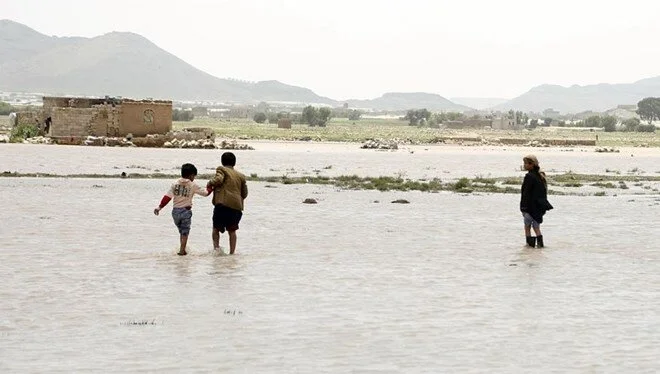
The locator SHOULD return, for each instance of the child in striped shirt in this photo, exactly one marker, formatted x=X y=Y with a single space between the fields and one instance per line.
x=182 y=192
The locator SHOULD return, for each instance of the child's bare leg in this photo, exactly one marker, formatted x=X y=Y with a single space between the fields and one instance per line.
x=537 y=231
x=528 y=230
x=182 y=249
x=232 y=241
x=215 y=235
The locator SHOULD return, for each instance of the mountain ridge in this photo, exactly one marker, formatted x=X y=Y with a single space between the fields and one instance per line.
x=130 y=65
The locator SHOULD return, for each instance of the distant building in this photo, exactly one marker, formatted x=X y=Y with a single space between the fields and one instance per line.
x=79 y=117
x=551 y=113
x=504 y=123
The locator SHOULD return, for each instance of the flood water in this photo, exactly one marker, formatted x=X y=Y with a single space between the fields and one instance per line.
x=351 y=284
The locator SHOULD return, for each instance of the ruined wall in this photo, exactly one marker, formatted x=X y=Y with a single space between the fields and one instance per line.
x=100 y=120
x=70 y=102
x=113 y=113
x=80 y=117
x=145 y=117
x=29 y=118
x=72 y=121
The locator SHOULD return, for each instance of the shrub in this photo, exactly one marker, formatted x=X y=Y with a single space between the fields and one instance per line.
x=260 y=117
x=6 y=109
x=182 y=115
x=646 y=128
x=631 y=124
x=22 y=132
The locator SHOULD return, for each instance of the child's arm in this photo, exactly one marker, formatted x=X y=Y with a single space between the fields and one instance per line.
x=203 y=191
x=166 y=199
x=244 y=189
x=218 y=179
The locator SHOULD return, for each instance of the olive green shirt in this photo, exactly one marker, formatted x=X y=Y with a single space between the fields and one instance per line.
x=229 y=187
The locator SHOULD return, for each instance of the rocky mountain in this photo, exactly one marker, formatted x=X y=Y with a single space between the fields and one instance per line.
x=120 y=64
x=575 y=99
x=129 y=65
x=409 y=100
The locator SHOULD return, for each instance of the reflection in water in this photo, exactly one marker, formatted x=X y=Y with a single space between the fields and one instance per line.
x=227 y=265
x=529 y=256
x=182 y=266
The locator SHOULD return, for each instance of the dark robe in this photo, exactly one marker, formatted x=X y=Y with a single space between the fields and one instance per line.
x=534 y=196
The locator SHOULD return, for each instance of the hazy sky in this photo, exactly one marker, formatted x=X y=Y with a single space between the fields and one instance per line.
x=363 y=48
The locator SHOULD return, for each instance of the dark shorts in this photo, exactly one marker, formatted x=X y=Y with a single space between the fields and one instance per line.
x=225 y=218
x=182 y=218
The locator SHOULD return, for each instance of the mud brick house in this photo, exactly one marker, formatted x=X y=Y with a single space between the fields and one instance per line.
x=81 y=116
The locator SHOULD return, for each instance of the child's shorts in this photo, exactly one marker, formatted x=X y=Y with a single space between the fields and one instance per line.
x=225 y=218
x=182 y=219
x=530 y=221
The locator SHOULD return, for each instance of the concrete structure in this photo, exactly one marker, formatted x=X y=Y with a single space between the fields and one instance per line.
x=80 y=117
x=504 y=123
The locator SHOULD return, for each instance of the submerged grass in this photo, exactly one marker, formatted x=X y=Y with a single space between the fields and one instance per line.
x=398 y=183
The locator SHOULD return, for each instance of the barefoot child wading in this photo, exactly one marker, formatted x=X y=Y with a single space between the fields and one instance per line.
x=182 y=191
x=533 y=200
x=229 y=192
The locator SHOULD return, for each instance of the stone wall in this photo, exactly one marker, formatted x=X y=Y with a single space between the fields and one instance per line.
x=74 y=121
x=51 y=102
x=145 y=117
x=30 y=118
x=81 y=117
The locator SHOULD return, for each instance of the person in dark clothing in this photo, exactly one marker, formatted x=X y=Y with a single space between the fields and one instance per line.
x=48 y=122
x=533 y=200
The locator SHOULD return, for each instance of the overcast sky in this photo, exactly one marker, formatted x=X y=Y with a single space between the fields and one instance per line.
x=364 y=48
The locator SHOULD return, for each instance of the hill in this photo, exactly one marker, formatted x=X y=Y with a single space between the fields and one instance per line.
x=575 y=99
x=120 y=64
x=408 y=100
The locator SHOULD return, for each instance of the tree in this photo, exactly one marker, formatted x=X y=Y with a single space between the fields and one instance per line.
x=521 y=118
x=260 y=117
x=324 y=115
x=592 y=121
x=631 y=124
x=263 y=107
x=649 y=109
x=533 y=123
x=454 y=116
x=608 y=123
x=276 y=117
x=309 y=115
x=316 y=117
x=354 y=115
x=182 y=115
x=646 y=128
x=417 y=116
x=547 y=121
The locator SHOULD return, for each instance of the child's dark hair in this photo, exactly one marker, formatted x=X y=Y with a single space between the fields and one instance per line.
x=188 y=170
x=228 y=159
